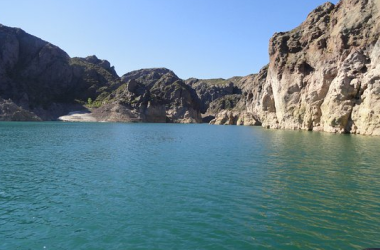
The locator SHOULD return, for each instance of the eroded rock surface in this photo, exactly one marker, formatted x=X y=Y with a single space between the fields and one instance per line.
x=323 y=75
x=327 y=67
x=209 y=90
x=152 y=95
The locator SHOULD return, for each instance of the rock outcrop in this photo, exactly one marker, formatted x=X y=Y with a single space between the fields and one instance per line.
x=324 y=75
x=34 y=74
x=93 y=78
x=209 y=90
x=326 y=68
x=9 y=111
x=216 y=95
x=39 y=81
x=42 y=81
x=152 y=95
x=256 y=101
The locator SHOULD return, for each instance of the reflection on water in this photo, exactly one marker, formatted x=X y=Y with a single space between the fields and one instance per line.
x=328 y=185
x=167 y=186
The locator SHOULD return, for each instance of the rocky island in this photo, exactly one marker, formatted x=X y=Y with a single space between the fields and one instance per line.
x=322 y=76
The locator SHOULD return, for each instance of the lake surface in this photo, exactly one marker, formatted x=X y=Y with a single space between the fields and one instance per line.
x=170 y=186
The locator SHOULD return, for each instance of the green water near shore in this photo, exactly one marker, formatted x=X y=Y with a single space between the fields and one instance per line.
x=170 y=186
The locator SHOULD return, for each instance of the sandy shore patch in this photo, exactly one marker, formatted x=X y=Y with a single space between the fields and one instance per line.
x=78 y=116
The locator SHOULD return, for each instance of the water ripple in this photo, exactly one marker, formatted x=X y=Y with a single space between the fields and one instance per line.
x=167 y=186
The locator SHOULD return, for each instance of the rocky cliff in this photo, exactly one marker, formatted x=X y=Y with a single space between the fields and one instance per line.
x=151 y=95
x=39 y=81
x=42 y=81
x=209 y=90
x=242 y=114
x=28 y=66
x=323 y=75
x=216 y=95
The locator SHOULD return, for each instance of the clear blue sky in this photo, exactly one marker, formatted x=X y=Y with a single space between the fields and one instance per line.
x=194 y=38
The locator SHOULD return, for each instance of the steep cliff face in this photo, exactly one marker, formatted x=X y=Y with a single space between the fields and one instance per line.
x=42 y=81
x=323 y=75
x=33 y=73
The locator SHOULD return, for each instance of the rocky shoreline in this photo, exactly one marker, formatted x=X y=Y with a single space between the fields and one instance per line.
x=322 y=76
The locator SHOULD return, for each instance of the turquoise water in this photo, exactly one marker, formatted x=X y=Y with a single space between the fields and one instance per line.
x=168 y=186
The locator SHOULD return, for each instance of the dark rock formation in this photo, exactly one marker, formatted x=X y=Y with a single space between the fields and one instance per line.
x=227 y=102
x=209 y=90
x=43 y=81
x=93 y=78
x=39 y=81
x=153 y=95
x=33 y=73
x=216 y=95
x=9 y=111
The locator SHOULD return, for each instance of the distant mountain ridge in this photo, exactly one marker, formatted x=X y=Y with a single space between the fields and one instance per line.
x=323 y=75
